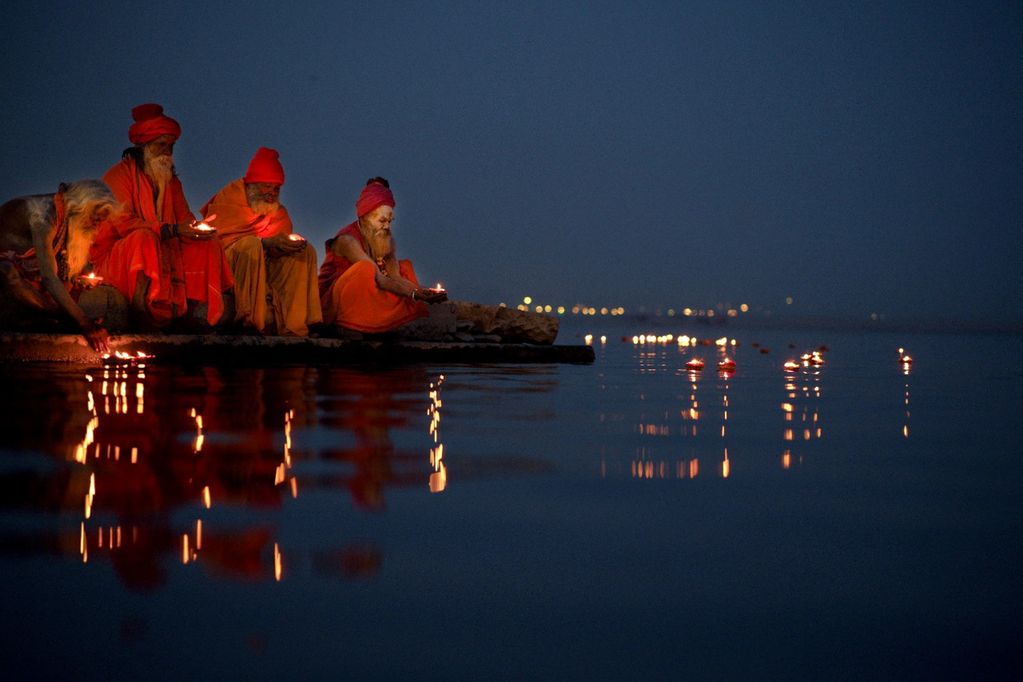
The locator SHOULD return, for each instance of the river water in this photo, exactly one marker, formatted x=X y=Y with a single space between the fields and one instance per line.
x=630 y=518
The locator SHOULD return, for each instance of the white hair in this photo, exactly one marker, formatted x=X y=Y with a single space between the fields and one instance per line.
x=85 y=193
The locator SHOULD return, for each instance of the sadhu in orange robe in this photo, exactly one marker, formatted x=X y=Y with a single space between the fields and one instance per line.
x=179 y=270
x=351 y=298
x=289 y=279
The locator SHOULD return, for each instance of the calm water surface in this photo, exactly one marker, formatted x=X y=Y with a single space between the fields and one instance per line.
x=621 y=520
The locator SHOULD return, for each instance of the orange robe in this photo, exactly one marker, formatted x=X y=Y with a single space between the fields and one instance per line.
x=289 y=279
x=178 y=269
x=350 y=297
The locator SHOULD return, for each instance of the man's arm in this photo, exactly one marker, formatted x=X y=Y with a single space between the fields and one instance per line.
x=94 y=334
x=390 y=280
x=348 y=247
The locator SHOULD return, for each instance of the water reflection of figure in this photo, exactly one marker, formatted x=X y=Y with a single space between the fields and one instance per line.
x=371 y=403
x=125 y=467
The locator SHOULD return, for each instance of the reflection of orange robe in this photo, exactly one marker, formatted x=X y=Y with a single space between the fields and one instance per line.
x=351 y=298
x=289 y=278
x=178 y=269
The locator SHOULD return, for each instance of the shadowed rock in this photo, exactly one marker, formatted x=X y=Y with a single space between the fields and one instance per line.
x=508 y=324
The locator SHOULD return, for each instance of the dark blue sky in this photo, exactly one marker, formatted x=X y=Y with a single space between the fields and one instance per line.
x=859 y=157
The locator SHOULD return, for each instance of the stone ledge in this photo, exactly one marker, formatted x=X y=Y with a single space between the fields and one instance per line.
x=275 y=350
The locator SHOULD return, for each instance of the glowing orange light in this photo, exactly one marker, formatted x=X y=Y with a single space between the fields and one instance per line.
x=296 y=237
x=726 y=365
x=791 y=366
x=90 y=280
x=695 y=365
x=205 y=226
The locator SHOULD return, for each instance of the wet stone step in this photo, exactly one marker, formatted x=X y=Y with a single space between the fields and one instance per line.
x=277 y=350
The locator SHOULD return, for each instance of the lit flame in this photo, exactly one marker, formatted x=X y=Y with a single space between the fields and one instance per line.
x=296 y=237
x=205 y=226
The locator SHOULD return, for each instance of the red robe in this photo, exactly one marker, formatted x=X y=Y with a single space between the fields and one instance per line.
x=178 y=269
x=234 y=219
x=350 y=297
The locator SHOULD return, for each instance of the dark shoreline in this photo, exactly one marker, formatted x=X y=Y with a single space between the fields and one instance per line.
x=821 y=323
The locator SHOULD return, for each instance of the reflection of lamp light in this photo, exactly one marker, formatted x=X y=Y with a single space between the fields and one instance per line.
x=791 y=366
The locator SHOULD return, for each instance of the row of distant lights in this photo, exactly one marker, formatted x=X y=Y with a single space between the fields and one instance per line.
x=527 y=306
x=664 y=339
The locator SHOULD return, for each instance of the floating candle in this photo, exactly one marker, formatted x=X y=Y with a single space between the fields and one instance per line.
x=696 y=364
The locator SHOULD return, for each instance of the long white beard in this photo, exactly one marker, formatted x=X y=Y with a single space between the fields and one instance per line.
x=160 y=169
x=264 y=207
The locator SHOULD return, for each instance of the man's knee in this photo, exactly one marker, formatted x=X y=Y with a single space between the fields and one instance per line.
x=247 y=249
x=137 y=238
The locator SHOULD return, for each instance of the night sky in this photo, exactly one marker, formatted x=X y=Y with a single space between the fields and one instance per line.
x=859 y=157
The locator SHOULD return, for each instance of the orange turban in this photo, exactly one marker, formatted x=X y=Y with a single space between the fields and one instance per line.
x=265 y=167
x=150 y=123
x=373 y=195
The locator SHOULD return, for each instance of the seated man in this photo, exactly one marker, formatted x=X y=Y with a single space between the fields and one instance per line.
x=270 y=264
x=44 y=254
x=158 y=258
x=363 y=286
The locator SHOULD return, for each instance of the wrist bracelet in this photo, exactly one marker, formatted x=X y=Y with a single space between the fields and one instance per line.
x=413 y=295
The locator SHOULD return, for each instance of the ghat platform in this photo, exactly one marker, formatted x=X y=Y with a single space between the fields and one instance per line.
x=275 y=350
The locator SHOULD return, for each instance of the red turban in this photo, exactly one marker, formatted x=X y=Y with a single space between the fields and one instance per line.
x=373 y=195
x=150 y=123
x=265 y=167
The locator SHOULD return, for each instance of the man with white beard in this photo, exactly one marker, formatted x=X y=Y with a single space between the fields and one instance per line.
x=274 y=269
x=168 y=267
x=44 y=254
